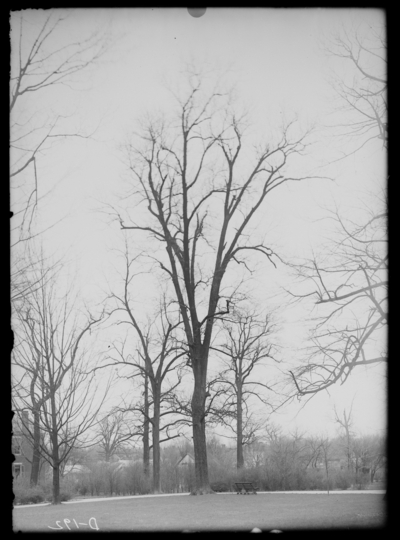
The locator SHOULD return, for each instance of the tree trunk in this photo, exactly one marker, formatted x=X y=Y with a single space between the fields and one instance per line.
x=55 y=451
x=146 y=426
x=239 y=430
x=156 y=441
x=36 y=449
x=56 y=469
x=199 y=428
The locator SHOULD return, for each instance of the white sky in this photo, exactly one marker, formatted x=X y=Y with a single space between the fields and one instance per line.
x=277 y=60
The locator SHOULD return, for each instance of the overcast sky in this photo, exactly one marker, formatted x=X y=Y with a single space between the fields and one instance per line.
x=278 y=62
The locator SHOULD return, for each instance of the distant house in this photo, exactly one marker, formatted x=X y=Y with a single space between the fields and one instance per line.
x=185 y=473
x=21 y=447
x=185 y=461
x=126 y=463
x=75 y=470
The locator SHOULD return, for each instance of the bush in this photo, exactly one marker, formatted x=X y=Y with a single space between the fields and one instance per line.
x=315 y=479
x=132 y=480
x=220 y=487
x=83 y=489
x=65 y=496
x=342 y=479
x=362 y=480
x=25 y=494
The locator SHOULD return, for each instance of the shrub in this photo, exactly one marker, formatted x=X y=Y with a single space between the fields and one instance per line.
x=362 y=480
x=315 y=479
x=342 y=479
x=65 y=496
x=220 y=486
x=25 y=494
x=132 y=480
x=83 y=489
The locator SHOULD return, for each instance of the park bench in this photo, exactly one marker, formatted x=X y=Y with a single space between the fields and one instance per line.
x=245 y=488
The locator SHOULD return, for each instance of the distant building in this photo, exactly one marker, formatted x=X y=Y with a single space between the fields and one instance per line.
x=185 y=473
x=21 y=447
x=126 y=463
x=75 y=470
x=185 y=461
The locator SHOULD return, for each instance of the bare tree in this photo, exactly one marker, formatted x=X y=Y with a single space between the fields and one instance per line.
x=42 y=58
x=313 y=452
x=154 y=428
x=114 y=430
x=201 y=189
x=159 y=355
x=325 y=445
x=369 y=455
x=245 y=344
x=51 y=377
x=285 y=456
x=345 y=422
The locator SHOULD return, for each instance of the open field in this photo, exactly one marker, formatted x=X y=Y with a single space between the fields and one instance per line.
x=266 y=511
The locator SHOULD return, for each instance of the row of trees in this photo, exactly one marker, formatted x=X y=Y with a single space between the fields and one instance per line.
x=201 y=184
x=51 y=378
x=274 y=462
x=55 y=380
x=195 y=166
x=50 y=371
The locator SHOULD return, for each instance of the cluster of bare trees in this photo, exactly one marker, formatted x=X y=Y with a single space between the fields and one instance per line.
x=190 y=174
x=363 y=454
x=157 y=361
x=51 y=378
x=50 y=375
x=201 y=188
x=276 y=461
x=198 y=184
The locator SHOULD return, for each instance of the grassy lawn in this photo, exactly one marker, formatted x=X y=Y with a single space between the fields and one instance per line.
x=266 y=511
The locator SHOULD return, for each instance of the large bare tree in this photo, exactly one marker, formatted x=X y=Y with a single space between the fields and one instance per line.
x=201 y=187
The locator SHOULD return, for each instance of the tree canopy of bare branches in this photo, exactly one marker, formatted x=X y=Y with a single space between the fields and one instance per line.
x=201 y=188
x=42 y=58
x=350 y=289
x=349 y=280
x=363 y=89
x=114 y=430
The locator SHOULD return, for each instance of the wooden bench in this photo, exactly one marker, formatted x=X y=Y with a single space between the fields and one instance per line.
x=245 y=488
